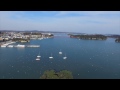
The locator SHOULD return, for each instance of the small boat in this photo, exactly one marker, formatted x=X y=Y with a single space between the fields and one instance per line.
x=65 y=57
x=51 y=56
x=3 y=45
x=10 y=46
x=37 y=58
x=39 y=38
x=60 y=52
x=21 y=46
x=39 y=55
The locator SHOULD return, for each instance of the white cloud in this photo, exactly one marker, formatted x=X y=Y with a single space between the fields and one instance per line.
x=76 y=24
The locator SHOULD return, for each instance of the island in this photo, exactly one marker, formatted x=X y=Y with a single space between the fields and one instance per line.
x=90 y=37
x=52 y=74
x=117 y=40
x=113 y=36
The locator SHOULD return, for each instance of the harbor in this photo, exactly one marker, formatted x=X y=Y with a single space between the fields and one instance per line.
x=19 y=46
x=8 y=44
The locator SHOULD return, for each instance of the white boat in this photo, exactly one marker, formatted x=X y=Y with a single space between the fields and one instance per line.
x=65 y=57
x=33 y=45
x=37 y=58
x=3 y=45
x=39 y=38
x=51 y=56
x=60 y=52
x=20 y=45
x=33 y=38
x=38 y=55
x=10 y=46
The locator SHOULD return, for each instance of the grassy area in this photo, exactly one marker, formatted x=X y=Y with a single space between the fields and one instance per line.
x=51 y=74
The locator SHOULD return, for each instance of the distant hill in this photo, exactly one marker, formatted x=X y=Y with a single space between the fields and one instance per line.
x=113 y=36
x=73 y=33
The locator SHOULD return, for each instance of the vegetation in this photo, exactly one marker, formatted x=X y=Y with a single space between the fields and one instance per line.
x=20 y=39
x=95 y=37
x=33 y=33
x=45 y=35
x=117 y=40
x=51 y=74
x=27 y=33
x=51 y=35
x=114 y=36
x=36 y=33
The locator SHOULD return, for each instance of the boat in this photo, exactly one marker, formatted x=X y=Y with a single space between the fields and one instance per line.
x=20 y=45
x=10 y=46
x=51 y=56
x=38 y=55
x=39 y=38
x=38 y=58
x=33 y=45
x=60 y=52
x=3 y=45
x=33 y=38
x=65 y=57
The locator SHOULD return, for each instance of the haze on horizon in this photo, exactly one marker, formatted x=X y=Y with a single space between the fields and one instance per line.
x=91 y=22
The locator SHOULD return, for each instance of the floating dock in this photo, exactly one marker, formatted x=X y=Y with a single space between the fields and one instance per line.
x=20 y=46
x=32 y=45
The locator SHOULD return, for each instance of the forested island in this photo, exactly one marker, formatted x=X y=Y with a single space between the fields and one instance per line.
x=117 y=40
x=91 y=37
x=51 y=74
x=113 y=36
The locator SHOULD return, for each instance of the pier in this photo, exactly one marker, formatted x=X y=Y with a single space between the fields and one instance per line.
x=6 y=44
x=20 y=46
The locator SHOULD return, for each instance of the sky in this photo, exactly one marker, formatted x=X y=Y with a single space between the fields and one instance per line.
x=91 y=22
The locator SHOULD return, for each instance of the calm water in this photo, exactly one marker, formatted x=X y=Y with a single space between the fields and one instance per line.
x=86 y=59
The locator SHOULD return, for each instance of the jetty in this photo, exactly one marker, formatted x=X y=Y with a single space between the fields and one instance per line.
x=32 y=45
x=6 y=44
x=20 y=46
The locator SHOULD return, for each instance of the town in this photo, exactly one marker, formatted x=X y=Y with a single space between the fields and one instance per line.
x=12 y=37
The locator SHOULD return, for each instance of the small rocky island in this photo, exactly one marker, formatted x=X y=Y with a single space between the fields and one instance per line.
x=51 y=74
x=90 y=37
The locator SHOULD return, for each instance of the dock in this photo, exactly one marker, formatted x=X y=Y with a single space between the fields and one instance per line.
x=20 y=46
x=8 y=44
x=32 y=45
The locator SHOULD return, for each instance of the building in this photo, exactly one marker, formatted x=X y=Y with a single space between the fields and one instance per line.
x=1 y=39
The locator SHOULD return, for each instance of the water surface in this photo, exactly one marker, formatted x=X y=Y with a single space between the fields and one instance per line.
x=86 y=59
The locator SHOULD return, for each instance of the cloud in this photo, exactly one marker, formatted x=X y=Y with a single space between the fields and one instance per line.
x=76 y=21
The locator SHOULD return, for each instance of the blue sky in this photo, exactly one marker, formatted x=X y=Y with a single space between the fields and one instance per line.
x=91 y=22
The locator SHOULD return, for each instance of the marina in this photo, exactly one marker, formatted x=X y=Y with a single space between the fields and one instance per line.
x=6 y=44
x=22 y=46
